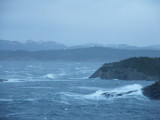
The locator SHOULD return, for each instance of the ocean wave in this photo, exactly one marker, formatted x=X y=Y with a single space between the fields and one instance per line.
x=62 y=74
x=89 y=88
x=52 y=76
x=80 y=78
x=30 y=66
x=120 y=90
x=38 y=87
x=30 y=99
x=126 y=88
x=36 y=80
x=5 y=100
x=77 y=68
x=73 y=96
x=33 y=66
x=14 y=80
x=98 y=95
x=12 y=114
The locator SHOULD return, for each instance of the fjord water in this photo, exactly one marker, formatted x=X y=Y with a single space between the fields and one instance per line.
x=62 y=91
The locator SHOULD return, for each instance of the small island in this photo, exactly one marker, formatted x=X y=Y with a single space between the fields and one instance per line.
x=135 y=68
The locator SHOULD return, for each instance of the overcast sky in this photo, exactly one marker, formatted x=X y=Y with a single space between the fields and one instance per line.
x=72 y=22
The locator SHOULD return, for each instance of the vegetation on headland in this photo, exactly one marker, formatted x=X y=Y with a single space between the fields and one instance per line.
x=142 y=68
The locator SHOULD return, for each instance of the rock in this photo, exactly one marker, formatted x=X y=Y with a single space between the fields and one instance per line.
x=2 y=80
x=142 y=68
x=152 y=91
x=113 y=94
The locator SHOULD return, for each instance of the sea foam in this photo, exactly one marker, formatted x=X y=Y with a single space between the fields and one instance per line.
x=98 y=95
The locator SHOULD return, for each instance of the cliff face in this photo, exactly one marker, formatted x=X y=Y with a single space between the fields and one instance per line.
x=142 y=68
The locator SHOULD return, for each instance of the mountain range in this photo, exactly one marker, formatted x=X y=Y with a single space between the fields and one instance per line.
x=30 y=45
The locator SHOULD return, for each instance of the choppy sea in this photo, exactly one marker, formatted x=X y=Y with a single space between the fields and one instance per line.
x=62 y=91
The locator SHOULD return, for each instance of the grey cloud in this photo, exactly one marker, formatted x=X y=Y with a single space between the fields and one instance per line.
x=133 y=22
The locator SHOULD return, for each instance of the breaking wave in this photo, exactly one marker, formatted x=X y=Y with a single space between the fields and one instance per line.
x=98 y=95
x=52 y=76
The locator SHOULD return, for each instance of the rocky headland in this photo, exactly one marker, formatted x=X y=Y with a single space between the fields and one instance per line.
x=135 y=68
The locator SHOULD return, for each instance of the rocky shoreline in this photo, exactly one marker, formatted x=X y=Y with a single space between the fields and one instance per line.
x=142 y=68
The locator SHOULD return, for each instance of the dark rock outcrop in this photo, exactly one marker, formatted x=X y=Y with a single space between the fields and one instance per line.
x=107 y=94
x=152 y=91
x=2 y=80
x=142 y=68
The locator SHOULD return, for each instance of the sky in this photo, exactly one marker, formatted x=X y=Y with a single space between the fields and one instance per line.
x=74 y=22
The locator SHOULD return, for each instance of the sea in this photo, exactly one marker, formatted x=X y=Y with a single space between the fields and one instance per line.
x=63 y=91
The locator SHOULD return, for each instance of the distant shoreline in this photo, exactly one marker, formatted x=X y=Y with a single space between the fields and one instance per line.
x=92 y=54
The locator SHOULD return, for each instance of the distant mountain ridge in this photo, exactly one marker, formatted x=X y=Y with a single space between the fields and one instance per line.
x=30 y=45
x=115 y=46
x=118 y=46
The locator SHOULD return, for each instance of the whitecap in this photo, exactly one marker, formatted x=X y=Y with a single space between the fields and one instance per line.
x=89 y=88
x=126 y=88
x=98 y=95
x=85 y=77
x=77 y=68
x=50 y=76
x=30 y=99
x=12 y=114
x=14 y=80
x=95 y=96
x=5 y=100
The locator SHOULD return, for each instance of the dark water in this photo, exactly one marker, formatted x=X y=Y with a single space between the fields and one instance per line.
x=61 y=91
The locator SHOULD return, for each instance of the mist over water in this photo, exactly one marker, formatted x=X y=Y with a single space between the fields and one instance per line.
x=62 y=91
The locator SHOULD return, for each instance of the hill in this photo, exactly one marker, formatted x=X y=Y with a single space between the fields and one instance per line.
x=101 y=54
